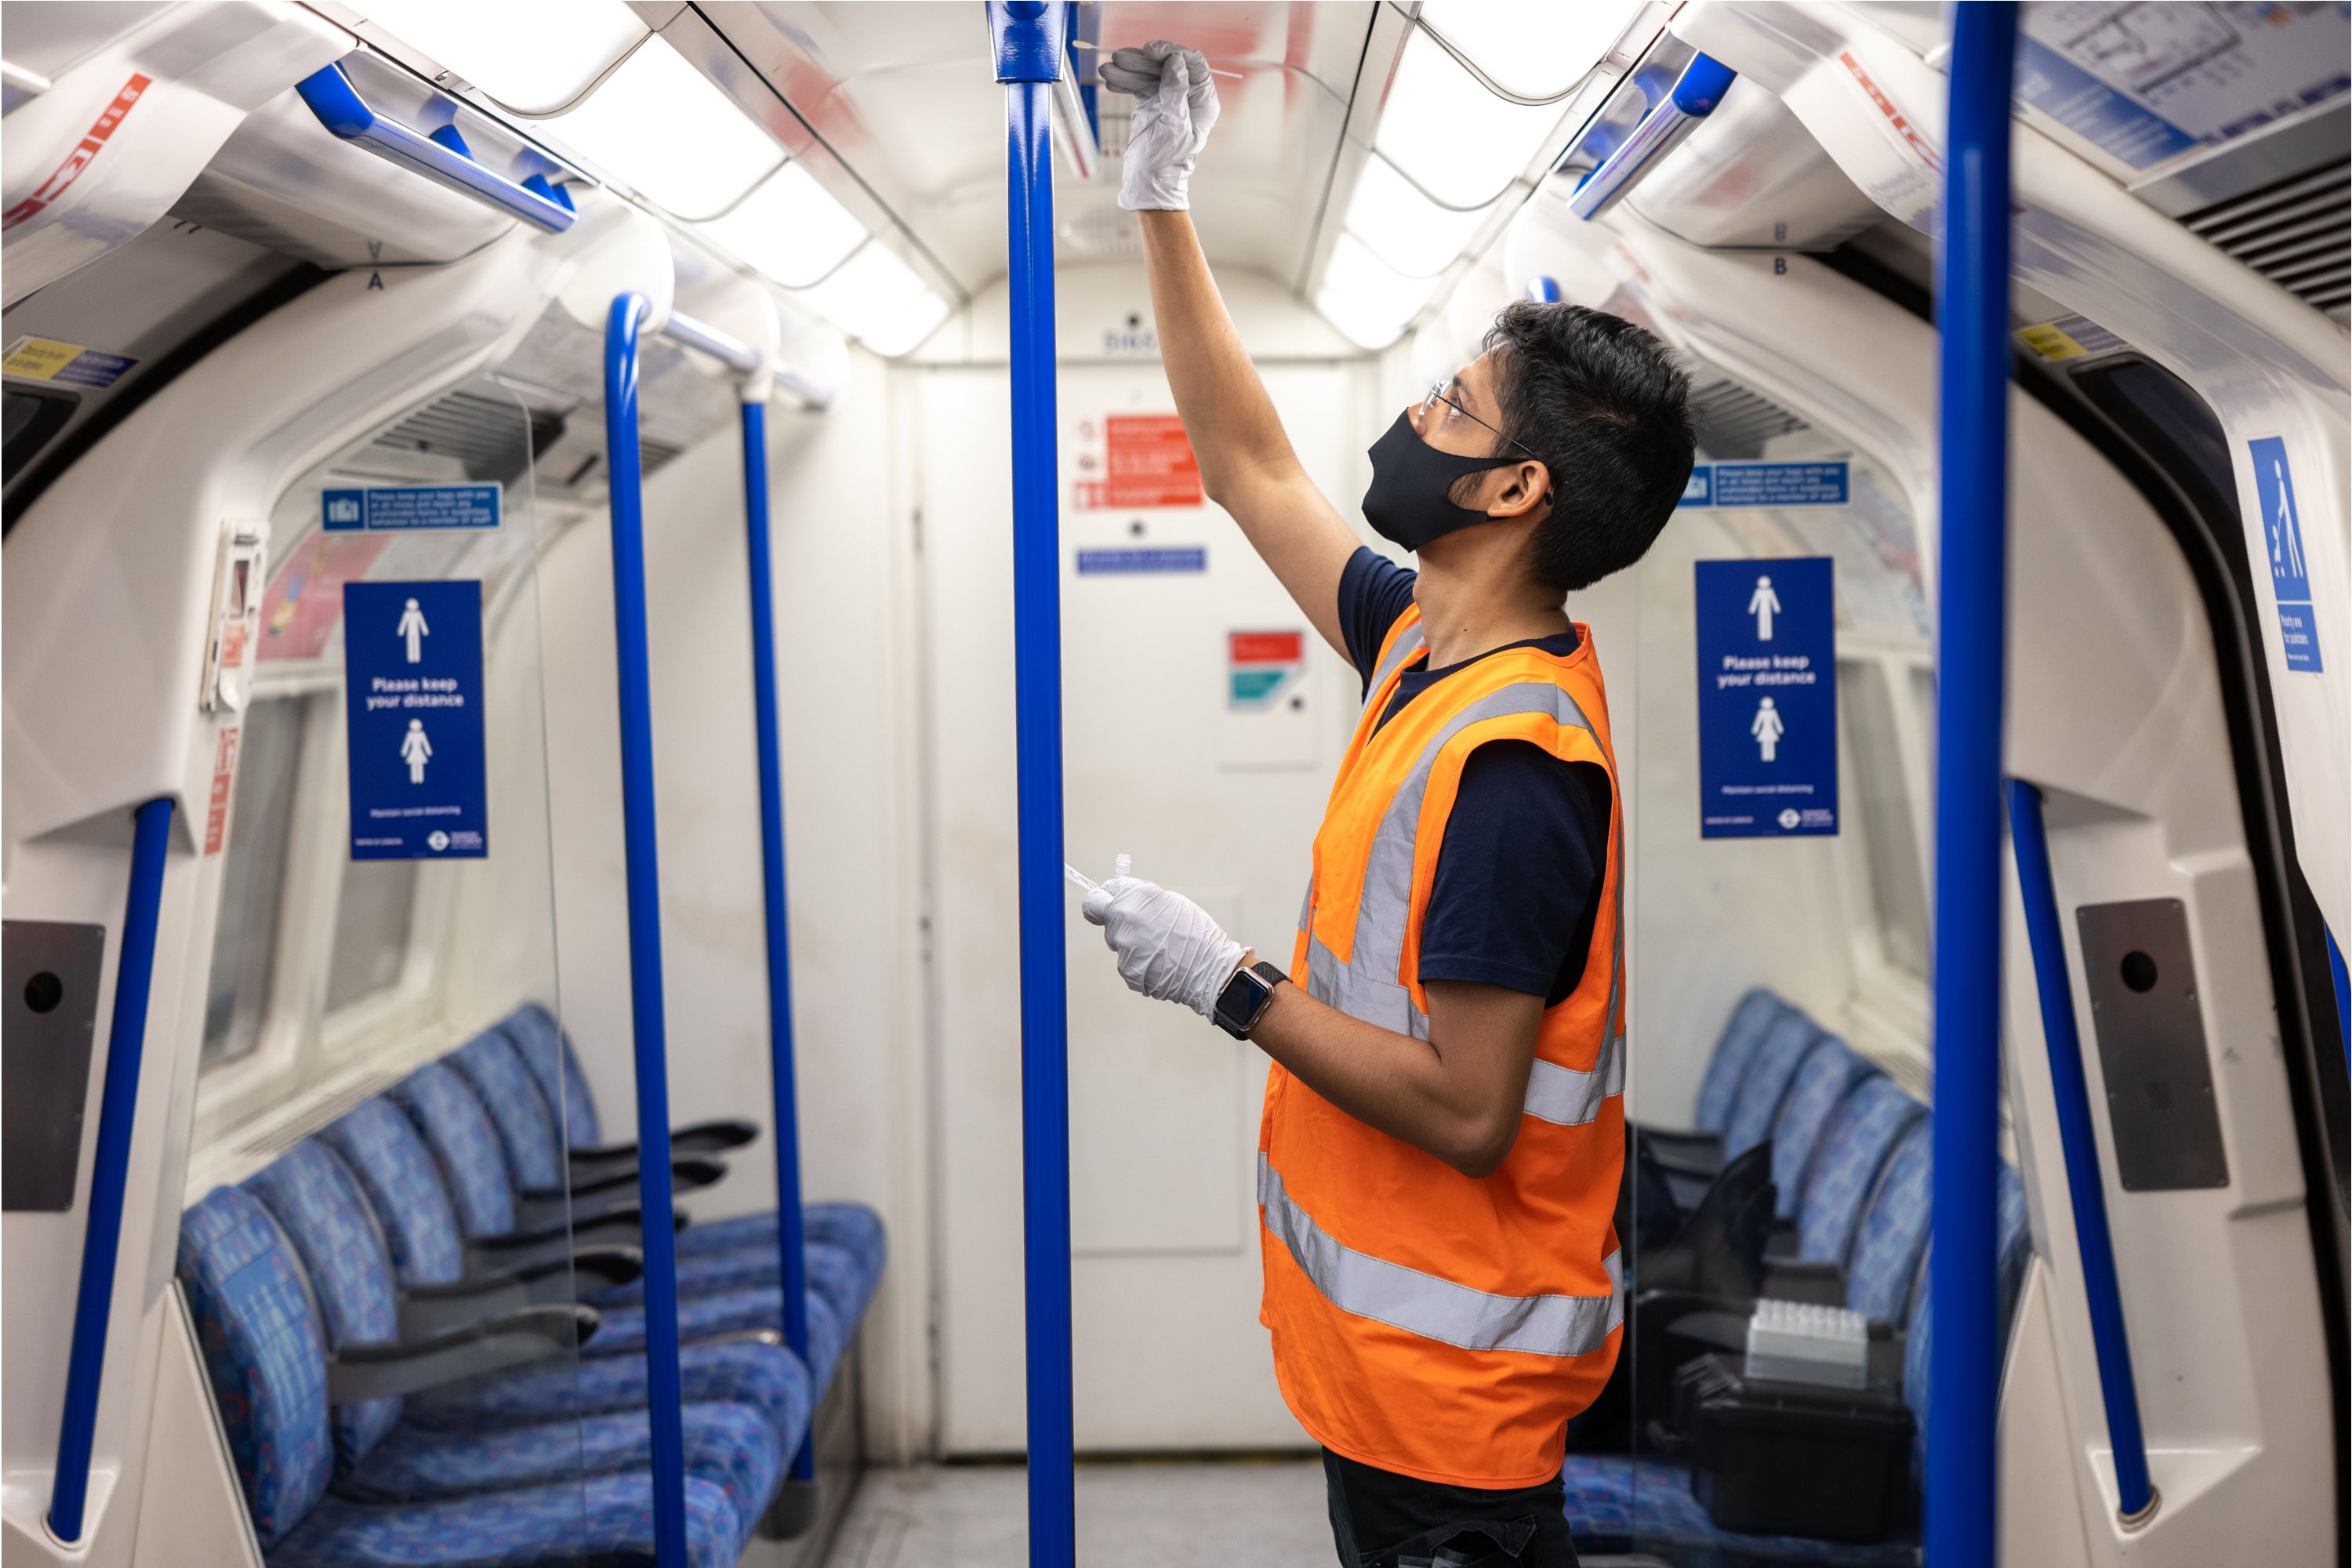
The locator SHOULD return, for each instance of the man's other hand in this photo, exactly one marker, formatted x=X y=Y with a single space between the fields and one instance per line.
x=1175 y=105
x=1168 y=947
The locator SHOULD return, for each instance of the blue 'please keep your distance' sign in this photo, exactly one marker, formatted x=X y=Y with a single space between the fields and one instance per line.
x=413 y=693
x=1767 y=698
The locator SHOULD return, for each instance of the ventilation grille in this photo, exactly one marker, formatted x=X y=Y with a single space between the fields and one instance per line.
x=2297 y=233
x=1734 y=423
x=481 y=433
x=284 y=1135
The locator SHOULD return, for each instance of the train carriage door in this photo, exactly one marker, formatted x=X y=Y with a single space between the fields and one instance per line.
x=1204 y=749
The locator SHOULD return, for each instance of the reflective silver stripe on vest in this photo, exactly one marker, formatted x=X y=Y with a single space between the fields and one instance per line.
x=1570 y=1098
x=1437 y=1308
x=1366 y=986
x=1409 y=642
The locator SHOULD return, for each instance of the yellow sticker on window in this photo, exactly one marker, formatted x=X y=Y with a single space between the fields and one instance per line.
x=2050 y=341
x=39 y=359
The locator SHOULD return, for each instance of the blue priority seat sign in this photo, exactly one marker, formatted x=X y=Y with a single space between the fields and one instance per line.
x=413 y=694
x=1767 y=698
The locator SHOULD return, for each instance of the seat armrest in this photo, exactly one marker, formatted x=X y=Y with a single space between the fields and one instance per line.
x=500 y=1255
x=598 y=1268
x=1683 y=1149
x=542 y=1207
x=699 y=1138
x=429 y=1309
x=383 y=1371
x=1795 y=1280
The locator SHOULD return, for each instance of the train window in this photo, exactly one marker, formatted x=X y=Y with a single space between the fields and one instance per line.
x=32 y=418
x=253 y=879
x=1890 y=836
x=372 y=917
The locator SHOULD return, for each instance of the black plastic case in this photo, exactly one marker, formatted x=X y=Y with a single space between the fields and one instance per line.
x=1791 y=1458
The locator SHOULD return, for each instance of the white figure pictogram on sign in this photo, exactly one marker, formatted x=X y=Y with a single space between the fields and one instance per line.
x=2286 y=539
x=412 y=628
x=416 y=750
x=1768 y=729
x=1764 y=604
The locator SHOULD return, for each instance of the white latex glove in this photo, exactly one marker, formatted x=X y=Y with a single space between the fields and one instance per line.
x=1168 y=947
x=1175 y=105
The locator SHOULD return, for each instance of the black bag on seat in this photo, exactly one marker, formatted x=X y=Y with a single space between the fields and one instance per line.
x=1794 y=1458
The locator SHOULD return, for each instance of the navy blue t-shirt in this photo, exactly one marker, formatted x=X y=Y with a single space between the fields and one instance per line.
x=1518 y=877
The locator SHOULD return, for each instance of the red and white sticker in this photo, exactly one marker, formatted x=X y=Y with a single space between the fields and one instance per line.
x=224 y=775
x=84 y=154
x=1261 y=666
x=1147 y=462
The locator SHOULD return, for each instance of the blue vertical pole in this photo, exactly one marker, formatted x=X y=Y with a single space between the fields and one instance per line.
x=2086 y=1187
x=1972 y=318
x=1029 y=38
x=789 y=1240
x=641 y=857
x=118 y=1109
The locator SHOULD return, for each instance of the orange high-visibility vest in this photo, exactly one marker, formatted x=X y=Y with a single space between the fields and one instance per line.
x=1424 y=1321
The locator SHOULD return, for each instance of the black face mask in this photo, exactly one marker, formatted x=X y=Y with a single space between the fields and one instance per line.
x=1408 y=501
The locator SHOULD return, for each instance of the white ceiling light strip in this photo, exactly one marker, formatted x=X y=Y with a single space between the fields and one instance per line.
x=519 y=57
x=789 y=230
x=1367 y=299
x=1404 y=228
x=663 y=128
x=879 y=299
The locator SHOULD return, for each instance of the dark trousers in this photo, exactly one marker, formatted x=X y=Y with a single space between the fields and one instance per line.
x=1380 y=1520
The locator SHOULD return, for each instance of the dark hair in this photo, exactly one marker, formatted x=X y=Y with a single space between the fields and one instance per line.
x=1605 y=407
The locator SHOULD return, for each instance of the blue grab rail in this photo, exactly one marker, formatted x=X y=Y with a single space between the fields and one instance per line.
x=2085 y=1186
x=655 y=1197
x=442 y=157
x=1694 y=97
x=1029 y=39
x=1972 y=321
x=118 y=1109
x=790 y=1242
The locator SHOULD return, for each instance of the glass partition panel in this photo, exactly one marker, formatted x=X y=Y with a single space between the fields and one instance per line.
x=388 y=908
x=1774 y=1215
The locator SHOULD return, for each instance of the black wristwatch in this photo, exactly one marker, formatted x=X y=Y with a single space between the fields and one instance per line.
x=1245 y=998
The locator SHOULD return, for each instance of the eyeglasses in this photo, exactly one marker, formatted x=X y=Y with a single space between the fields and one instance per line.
x=1437 y=395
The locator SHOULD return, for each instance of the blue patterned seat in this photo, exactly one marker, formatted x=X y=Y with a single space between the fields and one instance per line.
x=1617 y=1504
x=1893 y=1235
x=265 y=1353
x=464 y=1143
x=397 y=1171
x=1829 y=1072
x=318 y=1206
x=732 y=1254
x=1860 y=1135
x=1764 y=1088
x=1743 y=1034
x=526 y=1128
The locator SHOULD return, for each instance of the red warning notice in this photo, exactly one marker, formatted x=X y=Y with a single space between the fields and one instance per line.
x=1146 y=462
x=1266 y=647
x=217 y=808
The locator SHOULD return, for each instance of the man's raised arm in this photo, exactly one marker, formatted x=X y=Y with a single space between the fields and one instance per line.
x=1247 y=465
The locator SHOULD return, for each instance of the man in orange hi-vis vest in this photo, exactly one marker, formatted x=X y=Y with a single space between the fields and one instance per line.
x=1444 y=1131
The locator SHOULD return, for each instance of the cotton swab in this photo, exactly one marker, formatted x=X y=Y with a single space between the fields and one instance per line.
x=1082 y=43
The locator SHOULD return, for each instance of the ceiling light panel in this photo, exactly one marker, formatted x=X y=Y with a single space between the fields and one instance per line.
x=1404 y=228
x=1456 y=140
x=878 y=298
x=1536 y=48
x=531 y=59
x=662 y=127
x=1366 y=298
x=790 y=229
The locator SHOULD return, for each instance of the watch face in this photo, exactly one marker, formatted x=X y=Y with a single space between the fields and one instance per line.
x=1240 y=995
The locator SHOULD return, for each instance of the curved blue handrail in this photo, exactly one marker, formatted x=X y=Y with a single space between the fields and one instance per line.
x=640 y=856
x=1029 y=39
x=2085 y=1186
x=442 y=156
x=1694 y=97
x=790 y=1241
x=117 y=1110
x=1972 y=322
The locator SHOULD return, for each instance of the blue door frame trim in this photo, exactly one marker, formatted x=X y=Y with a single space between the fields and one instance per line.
x=117 y=1110
x=2086 y=1185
